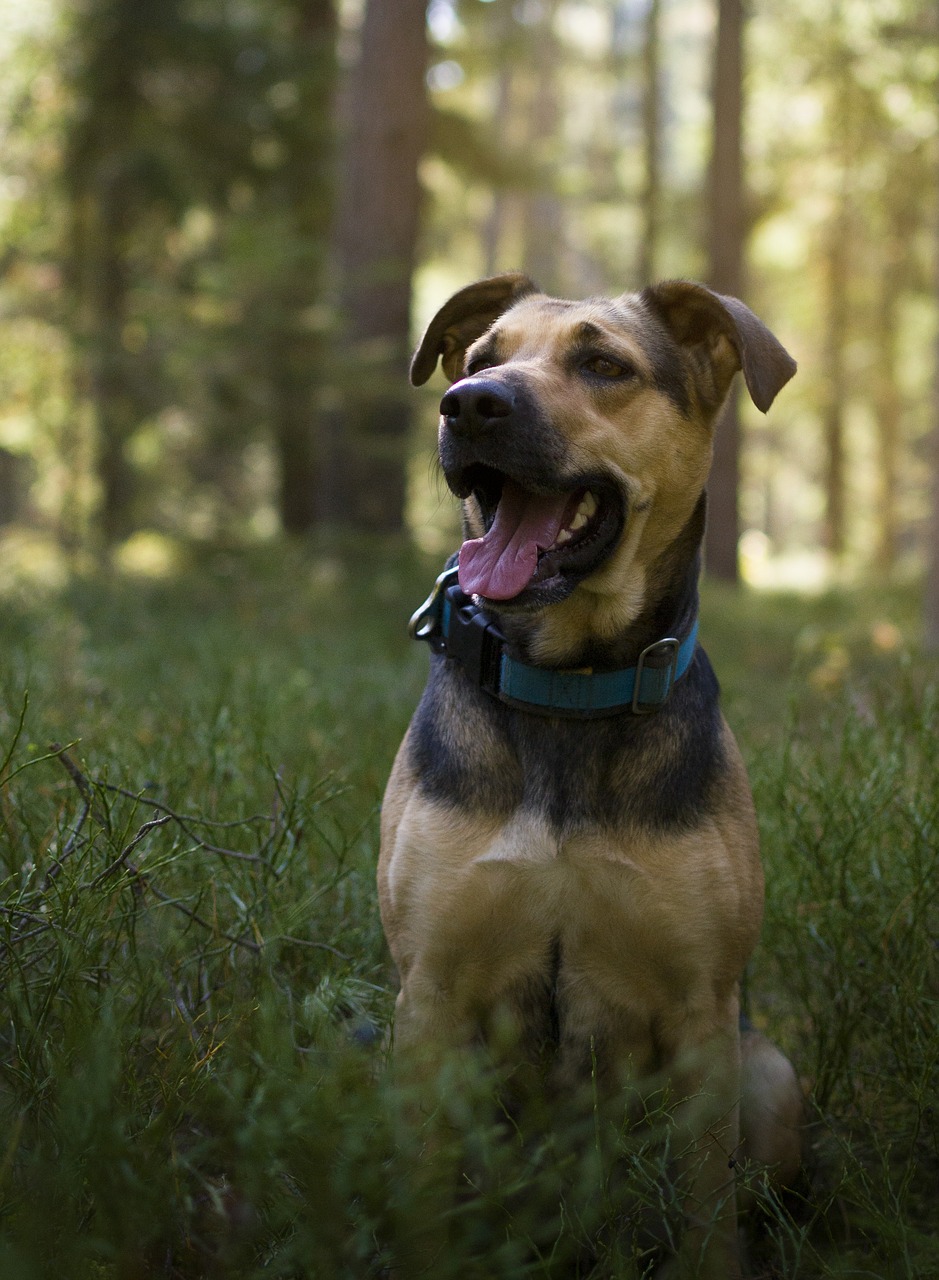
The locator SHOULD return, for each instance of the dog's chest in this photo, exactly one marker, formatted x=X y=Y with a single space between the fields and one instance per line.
x=491 y=904
x=654 y=772
x=583 y=892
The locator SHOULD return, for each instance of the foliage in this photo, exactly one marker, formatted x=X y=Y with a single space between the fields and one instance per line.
x=195 y=985
x=216 y=121
x=840 y=159
x=176 y=169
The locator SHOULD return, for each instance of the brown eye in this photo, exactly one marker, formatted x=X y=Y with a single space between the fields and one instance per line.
x=477 y=366
x=604 y=367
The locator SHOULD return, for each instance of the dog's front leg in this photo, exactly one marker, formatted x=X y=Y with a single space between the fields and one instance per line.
x=423 y=1065
x=706 y=1075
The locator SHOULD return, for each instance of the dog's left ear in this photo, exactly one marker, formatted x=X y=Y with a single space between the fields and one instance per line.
x=464 y=318
x=722 y=335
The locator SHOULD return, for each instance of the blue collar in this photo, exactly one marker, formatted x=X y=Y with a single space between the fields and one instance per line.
x=453 y=625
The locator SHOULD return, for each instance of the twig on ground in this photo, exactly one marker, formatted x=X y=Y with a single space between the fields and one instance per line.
x=22 y=914
x=20 y=938
x=69 y=848
x=16 y=737
x=254 y=947
x=125 y=853
x=185 y=817
x=15 y=942
x=306 y=942
x=85 y=788
x=183 y=820
x=86 y=791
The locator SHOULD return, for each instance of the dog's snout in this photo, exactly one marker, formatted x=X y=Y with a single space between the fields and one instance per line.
x=476 y=405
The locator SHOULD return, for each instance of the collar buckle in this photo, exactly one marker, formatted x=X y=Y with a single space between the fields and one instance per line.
x=658 y=663
x=427 y=622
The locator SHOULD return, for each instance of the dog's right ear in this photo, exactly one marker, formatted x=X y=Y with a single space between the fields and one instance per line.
x=459 y=322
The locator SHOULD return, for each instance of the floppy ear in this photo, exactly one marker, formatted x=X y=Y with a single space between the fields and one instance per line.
x=462 y=320
x=722 y=335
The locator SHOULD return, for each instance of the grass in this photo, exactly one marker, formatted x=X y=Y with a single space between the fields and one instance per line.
x=194 y=982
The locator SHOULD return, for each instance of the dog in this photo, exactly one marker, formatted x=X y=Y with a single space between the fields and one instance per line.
x=568 y=842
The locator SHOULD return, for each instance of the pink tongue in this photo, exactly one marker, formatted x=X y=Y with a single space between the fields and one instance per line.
x=502 y=564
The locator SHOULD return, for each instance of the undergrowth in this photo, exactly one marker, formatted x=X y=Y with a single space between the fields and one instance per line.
x=195 y=994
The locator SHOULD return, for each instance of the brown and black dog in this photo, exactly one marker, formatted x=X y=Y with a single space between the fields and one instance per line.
x=568 y=843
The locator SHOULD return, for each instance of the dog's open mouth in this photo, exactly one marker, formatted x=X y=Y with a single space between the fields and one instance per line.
x=535 y=539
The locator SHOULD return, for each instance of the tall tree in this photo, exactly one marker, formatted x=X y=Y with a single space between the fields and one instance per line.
x=725 y=244
x=837 y=293
x=174 y=109
x=542 y=212
x=921 y=28
x=494 y=225
x=839 y=236
x=652 y=142
x=931 y=601
x=888 y=402
x=931 y=593
x=111 y=173
x=378 y=224
x=101 y=231
x=300 y=200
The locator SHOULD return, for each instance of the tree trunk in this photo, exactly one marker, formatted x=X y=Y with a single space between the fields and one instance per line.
x=931 y=600
x=296 y=349
x=10 y=498
x=100 y=194
x=889 y=411
x=726 y=229
x=377 y=247
x=292 y=364
x=494 y=225
x=103 y=308
x=836 y=328
x=652 y=143
x=543 y=218
x=931 y=604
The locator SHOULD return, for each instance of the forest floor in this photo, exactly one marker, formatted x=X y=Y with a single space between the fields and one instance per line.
x=194 y=985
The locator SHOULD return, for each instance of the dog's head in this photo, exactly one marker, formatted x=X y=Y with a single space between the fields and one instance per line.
x=578 y=435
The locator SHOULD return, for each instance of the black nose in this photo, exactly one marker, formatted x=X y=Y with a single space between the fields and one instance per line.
x=476 y=405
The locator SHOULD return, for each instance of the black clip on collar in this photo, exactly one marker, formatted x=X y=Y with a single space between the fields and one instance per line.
x=473 y=640
x=451 y=623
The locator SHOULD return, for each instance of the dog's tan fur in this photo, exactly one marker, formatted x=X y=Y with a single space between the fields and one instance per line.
x=655 y=921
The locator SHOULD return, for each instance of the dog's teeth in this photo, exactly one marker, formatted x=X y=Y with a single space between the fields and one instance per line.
x=585 y=511
x=582 y=516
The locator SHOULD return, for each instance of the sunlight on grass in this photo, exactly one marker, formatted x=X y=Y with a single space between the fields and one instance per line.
x=149 y=554
x=802 y=571
x=30 y=559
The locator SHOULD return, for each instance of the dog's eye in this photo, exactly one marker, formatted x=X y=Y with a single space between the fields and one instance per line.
x=605 y=367
x=478 y=365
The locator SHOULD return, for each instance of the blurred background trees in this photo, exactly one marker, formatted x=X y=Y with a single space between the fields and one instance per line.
x=225 y=223
x=384 y=137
